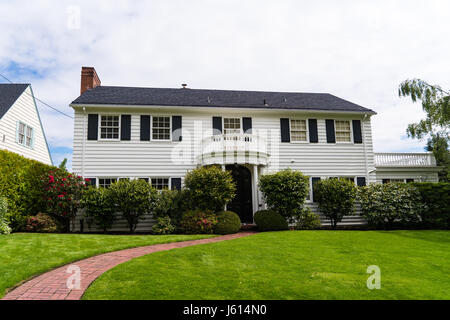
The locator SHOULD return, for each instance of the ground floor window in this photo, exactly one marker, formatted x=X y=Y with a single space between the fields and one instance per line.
x=408 y=180
x=160 y=183
x=106 y=182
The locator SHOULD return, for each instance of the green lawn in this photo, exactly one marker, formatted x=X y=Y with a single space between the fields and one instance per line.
x=289 y=265
x=25 y=255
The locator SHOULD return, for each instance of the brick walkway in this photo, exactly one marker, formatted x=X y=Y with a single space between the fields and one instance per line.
x=53 y=285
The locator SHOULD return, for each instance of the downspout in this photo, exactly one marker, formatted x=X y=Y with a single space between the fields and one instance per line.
x=84 y=142
x=364 y=146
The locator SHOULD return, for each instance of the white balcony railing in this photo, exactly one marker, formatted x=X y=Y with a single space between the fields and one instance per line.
x=404 y=160
x=234 y=143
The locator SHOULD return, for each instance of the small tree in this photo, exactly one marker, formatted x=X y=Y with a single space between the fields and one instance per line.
x=99 y=207
x=209 y=188
x=62 y=192
x=134 y=199
x=285 y=192
x=336 y=199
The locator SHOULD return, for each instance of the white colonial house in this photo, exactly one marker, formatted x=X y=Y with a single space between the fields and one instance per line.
x=21 y=129
x=160 y=134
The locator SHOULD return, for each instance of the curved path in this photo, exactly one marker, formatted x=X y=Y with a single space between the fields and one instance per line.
x=62 y=283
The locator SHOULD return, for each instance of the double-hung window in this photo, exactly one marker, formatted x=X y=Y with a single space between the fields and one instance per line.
x=343 y=131
x=160 y=183
x=109 y=127
x=25 y=135
x=231 y=126
x=161 y=128
x=106 y=182
x=299 y=130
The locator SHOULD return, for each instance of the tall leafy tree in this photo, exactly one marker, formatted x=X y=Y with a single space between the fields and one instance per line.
x=436 y=125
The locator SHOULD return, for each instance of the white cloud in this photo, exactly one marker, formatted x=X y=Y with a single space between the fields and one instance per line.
x=359 y=51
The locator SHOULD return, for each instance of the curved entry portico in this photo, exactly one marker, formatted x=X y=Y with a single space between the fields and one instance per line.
x=242 y=202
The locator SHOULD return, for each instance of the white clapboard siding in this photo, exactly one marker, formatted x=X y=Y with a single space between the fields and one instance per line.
x=24 y=110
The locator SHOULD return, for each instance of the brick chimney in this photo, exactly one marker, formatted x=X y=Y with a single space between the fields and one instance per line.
x=89 y=79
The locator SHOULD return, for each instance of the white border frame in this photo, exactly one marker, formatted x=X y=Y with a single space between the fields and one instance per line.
x=307 y=130
x=99 y=135
x=151 y=128
x=240 y=124
x=351 y=132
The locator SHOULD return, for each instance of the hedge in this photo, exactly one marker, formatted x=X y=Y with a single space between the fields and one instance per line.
x=436 y=197
x=20 y=184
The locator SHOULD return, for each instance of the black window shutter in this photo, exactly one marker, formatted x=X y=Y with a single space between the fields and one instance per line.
x=145 y=128
x=361 y=181
x=331 y=138
x=125 y=127
x=176 y=183
x=217 y=125
x=92 y=127
x=247 y=125
x=285 y=130
x=176 y=128
x=357 y=136
x=313 y=136
x=314 y=181
x=409 y=180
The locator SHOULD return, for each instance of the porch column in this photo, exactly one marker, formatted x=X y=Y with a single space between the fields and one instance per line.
x=255 y=189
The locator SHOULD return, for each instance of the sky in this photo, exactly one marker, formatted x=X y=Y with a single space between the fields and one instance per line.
x=357 y=50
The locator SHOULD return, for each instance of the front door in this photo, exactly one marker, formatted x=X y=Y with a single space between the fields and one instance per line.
x=242 y=202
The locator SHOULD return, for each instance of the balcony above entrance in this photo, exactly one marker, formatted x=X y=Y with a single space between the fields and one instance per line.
x=234 y=149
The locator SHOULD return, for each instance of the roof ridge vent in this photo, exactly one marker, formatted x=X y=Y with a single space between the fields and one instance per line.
x=184 y=86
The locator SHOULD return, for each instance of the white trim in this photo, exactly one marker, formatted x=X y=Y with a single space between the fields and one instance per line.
x=240 y=124
x=351 y=132
x=162 y=177
x=99 y=134
x=290 y=130
x=25 y=131
x=152 y=116
x=98 y=180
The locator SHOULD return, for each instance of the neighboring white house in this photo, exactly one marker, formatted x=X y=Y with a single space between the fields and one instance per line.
x=160 y=134
x=21 y=129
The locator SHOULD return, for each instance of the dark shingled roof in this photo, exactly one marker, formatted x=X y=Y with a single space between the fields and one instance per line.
x=216 y=98
x=9 y=93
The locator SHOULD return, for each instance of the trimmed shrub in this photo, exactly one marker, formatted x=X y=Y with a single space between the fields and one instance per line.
x=4 y=228
x=198 y=222
x=227 y=222
x=42 y=223
x=133 y=199
x=384 y=204
x=336 y=199
x=172 y=204
x=99 y=207
x=209 y=188
x=163 y=226
x=436 y=197
x=285 y=192
x=21 y=185
x=269 y=220
x=308 y=221
x=62 y=192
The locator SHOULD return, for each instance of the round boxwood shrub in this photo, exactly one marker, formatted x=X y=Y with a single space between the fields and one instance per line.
x=269 y=220
x=227 y=222
x=198 y=222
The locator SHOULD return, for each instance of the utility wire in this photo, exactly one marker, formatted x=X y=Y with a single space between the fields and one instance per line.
x=44 y=103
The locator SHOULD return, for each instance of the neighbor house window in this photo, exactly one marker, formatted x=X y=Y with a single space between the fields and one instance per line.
x=298 y=130
x=161 y=128
x=343 y=132
x=106 y=182
x=109 y=127
x=160 y=183
x=231 y=125
x=396 y=180
x=25 y=135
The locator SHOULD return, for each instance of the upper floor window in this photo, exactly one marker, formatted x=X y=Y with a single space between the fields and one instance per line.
x=25 y=135
x=160 y=183
x=161 y=128
x=231 y=125
x=109 y=127
x=343 y=131
x=298 y=131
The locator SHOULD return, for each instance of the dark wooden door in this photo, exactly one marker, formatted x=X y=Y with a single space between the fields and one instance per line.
x=242 y=202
